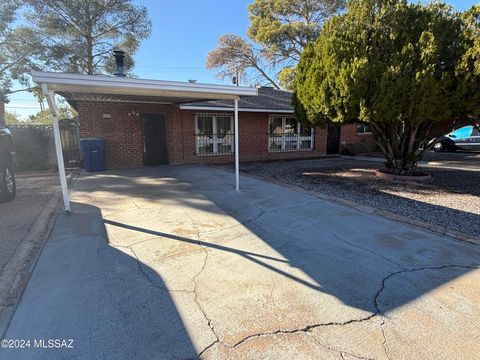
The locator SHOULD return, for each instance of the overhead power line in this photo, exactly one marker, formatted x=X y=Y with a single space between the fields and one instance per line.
x=22 y=107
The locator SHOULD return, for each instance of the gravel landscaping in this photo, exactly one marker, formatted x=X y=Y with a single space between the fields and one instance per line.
x=451 y=199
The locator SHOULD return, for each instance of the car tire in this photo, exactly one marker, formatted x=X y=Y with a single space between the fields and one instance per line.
x=438 y=147
x=8 y=187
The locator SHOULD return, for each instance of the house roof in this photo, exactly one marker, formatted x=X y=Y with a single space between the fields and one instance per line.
x=75 y=87
x=268 y=100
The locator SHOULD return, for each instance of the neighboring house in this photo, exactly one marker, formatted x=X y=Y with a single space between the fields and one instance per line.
x=148 y=129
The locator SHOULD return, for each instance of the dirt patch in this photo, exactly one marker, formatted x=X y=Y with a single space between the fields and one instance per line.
x=17 y=217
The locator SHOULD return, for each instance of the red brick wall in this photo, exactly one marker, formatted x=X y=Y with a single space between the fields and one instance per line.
x=356 y=143
x=122 y=132
x=253 y=140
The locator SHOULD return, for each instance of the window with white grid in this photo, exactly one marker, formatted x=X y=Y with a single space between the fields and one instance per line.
x=214 y=134
x=285 y=133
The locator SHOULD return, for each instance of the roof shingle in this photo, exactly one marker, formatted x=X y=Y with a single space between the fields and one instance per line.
x=267 y=99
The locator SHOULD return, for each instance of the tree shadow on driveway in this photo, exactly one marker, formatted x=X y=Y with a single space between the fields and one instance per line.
x=345 y=253
x=86 y=290
x=352 y=273
x=449 y=200
x=317 y=255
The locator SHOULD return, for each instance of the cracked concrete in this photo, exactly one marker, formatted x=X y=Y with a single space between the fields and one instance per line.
x=170 y=262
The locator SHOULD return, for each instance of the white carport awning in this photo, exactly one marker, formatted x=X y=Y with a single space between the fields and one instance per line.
x=75 y=87
x=132 y=89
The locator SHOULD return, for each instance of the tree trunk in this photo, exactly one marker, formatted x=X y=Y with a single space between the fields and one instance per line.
x=400 y=147
x=2 y=111
x=90 y=69
x=405 y=166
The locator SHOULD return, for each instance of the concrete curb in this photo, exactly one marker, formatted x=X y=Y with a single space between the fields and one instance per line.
x=436 y=165
x=424 y=164
x=391 y=177
x=23 y=174
x=384 y=213
x=16 y=273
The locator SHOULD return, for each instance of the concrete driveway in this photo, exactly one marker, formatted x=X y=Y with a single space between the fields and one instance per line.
x=469 y=161
x=169 y=262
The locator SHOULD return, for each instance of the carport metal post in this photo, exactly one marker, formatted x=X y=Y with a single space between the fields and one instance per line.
x=50 y=96
x=237 y=155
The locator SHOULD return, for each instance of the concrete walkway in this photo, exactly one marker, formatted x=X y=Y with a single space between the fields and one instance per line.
x=170 y=262
x=465 y=161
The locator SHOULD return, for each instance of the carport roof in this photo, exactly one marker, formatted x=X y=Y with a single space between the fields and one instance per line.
x=268 y=100
x=75 y=87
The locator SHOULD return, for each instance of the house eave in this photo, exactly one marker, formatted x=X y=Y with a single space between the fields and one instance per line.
x=181 y=91
x=226 y=108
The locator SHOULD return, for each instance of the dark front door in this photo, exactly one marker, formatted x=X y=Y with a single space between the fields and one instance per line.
x=154 y=139
x=333 y=139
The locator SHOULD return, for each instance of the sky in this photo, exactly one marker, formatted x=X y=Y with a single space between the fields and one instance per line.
x=183 y=32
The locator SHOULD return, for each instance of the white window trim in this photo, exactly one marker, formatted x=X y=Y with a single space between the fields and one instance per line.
x=362 y=133
x=214 y=139
x=285 y=136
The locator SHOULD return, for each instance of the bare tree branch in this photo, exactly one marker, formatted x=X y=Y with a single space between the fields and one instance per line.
x=234 y=57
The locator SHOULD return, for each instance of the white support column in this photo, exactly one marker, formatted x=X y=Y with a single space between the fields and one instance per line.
x=50 y=96
x=237 y=155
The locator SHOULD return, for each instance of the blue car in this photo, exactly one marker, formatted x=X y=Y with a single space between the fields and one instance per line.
x=466 y=138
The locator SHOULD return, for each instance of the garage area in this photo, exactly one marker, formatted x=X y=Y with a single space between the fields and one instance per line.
x=172 y=262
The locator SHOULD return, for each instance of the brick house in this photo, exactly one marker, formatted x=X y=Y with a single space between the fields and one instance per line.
x=150 y=126
x=150 y=122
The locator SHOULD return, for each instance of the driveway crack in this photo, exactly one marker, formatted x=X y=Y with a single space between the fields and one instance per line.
x=341 y=352
x=261 y=212
x=365 y=249
x=194 y=280
x=403 y=271
x=143 y=272
x=305 y=329
x=378 y=312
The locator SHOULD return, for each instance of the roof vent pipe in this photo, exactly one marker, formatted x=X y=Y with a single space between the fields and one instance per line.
x=119 y=56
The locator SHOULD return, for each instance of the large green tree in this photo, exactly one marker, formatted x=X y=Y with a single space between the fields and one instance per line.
x=75 y=36
x=44 y=117
x=470 y=65
x=401 y=68
x=279 y=30
x=18 y=52
x=12 y=118
x=285 y=27
x=79 y=35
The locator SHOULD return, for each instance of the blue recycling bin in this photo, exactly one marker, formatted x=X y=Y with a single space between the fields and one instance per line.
x=93 y=150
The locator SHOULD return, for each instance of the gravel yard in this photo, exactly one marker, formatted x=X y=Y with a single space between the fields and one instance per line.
x=451 y=199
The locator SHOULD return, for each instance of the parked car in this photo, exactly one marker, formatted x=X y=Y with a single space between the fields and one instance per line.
x=7 y=166
x=467 y=138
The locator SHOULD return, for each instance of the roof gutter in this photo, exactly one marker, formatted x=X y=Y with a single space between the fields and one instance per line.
x=89 y=83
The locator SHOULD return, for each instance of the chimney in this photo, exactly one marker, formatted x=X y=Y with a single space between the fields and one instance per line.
x=119 y=56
